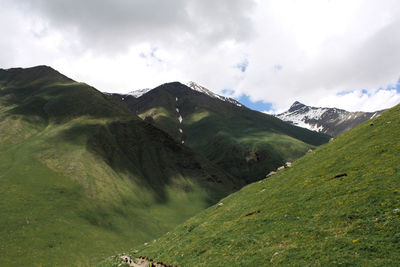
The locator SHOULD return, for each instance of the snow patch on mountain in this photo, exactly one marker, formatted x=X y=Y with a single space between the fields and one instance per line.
x=312 y=127
x=180 y=119
x=139 y=92
x=194 y=86
x=300 y=117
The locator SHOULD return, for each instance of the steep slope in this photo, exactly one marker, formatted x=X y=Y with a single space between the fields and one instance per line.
x=246 y=143
x=338 y=205
x=81 y=176
x=331 y=121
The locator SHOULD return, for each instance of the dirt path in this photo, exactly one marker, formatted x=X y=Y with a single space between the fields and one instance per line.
x=137 y=264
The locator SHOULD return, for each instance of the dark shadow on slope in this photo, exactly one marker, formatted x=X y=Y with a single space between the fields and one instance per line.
x=248 y=160
x=248 y=163
x=150 y=157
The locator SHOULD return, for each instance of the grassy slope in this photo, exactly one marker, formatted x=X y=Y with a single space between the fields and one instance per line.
x=301 y=216
x=253 y=143
x=81 y=177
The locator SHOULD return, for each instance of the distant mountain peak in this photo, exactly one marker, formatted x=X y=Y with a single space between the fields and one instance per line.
x=196 y=87
x=191 y=85
x=199 y=88
x=332 y=121
x=296 y=105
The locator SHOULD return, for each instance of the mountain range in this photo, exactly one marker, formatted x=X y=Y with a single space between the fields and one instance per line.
x=245 y=143
x=331 y=121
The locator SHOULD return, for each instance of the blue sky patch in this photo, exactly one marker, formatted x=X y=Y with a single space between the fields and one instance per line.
x=151 y=54
x=343 y=93
x=278 y=67
x=228 y=92
x=242 y=66
x=395 y=86
x=258 y=105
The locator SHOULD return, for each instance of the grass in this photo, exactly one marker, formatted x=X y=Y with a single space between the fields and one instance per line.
x=82 y=178
x=303 y=215
x=55 y=220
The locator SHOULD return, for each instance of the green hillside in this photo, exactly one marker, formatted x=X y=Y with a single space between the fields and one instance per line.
x=81 y=177
x=338 y=205
x=246 y=143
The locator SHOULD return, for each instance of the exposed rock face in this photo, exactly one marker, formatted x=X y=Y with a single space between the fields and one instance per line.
x=331 y=121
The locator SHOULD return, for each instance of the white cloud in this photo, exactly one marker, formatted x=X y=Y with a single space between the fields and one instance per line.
x=294 y=50
x=358 y=100
x=324 y=47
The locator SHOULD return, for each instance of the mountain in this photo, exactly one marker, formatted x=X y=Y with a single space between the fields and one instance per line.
x=82 y=177
x=245 y=143
x=331 y=121
x=338 y=205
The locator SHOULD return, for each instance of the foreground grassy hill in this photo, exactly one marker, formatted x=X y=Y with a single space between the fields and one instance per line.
x=338 y=205
x=246 y=143
x=81 y=177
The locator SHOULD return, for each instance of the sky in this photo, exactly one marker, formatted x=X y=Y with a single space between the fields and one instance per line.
x=264 y=53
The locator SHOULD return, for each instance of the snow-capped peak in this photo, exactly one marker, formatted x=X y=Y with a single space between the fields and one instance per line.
x=139 y=92
x=194 y=86
x=296 y=105
x=332 y=121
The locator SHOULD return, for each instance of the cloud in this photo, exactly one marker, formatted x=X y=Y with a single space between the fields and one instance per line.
x=362 y=100
x=269 y=51
x=100 y=41
x=326 y=47
x=109 y=25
